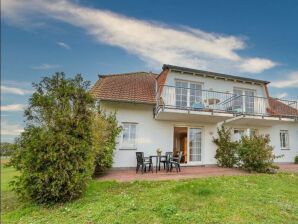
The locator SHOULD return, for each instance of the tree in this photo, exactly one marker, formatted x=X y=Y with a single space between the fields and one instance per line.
x=54 y=154
x=105 y=131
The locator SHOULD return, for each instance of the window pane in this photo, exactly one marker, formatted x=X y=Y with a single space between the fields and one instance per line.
x=132 y=132
x=249 y=101
x=129 y=134
x=238 y=99
x=181 y=93
x=284 y=139
x=125 y=132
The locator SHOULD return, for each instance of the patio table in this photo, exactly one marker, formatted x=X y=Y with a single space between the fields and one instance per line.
x=157 y=160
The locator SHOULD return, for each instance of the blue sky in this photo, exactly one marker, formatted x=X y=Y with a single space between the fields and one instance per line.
x=257 y=39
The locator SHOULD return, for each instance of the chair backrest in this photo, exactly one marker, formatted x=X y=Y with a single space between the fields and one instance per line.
x=169 y=155
x=140 y=157
x=180 y=156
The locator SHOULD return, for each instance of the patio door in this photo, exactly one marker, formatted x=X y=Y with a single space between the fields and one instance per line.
x=187 y=94
x=194 y=146
x=244 y=100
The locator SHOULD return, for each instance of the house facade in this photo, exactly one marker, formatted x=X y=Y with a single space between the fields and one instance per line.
x=180 y=109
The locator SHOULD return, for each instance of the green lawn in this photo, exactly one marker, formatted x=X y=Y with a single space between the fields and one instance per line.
x=238 y=199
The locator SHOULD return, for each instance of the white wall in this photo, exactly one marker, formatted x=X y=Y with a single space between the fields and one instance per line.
x=153 y=134
x=214 y=84
x=275 y=141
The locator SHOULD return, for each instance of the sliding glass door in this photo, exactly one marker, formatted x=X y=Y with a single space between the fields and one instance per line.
x=195 y=145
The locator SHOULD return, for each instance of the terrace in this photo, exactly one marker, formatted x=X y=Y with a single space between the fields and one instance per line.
x=191 y=104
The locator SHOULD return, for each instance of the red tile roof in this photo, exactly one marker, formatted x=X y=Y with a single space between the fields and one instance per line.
x=280 y=109
x=138 y=87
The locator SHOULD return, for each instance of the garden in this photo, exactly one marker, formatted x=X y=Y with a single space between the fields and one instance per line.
x=68 y=141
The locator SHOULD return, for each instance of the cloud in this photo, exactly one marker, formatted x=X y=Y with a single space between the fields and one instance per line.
x=13 y=107
x=15 y=90
x=45 y=67
x=256 y=65
x=290 y=82
x=64 y=45
x=8 y=129
x=152 y=42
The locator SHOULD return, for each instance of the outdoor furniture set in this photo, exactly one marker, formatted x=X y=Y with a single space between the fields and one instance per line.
x=168 y=161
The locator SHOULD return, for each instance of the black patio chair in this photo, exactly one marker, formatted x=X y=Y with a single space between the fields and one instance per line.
x=175 y=161
x=143 y=162
x=165 y=160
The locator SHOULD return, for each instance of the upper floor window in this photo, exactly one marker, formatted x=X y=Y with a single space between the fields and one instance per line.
x=187 y=93
x=129 y=135
x=243 y=100
x=284 y=139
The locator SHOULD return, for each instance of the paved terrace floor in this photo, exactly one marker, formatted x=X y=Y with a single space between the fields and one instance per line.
x=186 y=173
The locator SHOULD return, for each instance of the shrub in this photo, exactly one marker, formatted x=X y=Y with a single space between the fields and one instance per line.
x=226 y=152
x=296 y=160
x=54 y=154
x=105 y=130
x=256 y=154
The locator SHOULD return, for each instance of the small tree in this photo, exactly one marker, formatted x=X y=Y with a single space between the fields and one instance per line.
x=54 y=154
x=256 y=154
x=105 y=130
x=226 y=152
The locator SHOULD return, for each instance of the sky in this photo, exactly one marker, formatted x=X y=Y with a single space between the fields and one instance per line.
x=256 y=39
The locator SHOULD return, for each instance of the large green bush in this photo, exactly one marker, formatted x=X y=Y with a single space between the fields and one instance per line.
x=250 y=153
x=256 y=154
x=226 y=152
x=54 y=154
x=105 y=130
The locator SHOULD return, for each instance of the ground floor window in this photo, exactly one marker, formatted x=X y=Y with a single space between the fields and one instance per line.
x=129 y=135
x=284 y=139
x=239 y=132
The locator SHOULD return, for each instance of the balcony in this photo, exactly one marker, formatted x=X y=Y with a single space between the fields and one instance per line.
x=188 y=104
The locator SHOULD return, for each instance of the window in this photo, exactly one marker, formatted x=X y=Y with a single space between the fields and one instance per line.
x=195 y=93
x=253 y=132
x=181 y=93
x=129 y=135
x=188 y=93
x=284 y=139
x=244 y=100
x=238 y=133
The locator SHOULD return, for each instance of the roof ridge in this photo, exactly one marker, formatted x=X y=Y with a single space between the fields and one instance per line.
x=127 y=73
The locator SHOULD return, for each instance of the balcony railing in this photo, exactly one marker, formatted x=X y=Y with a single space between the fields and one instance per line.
x=215 y=101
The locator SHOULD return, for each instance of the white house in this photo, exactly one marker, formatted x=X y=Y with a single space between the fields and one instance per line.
x=181 y=108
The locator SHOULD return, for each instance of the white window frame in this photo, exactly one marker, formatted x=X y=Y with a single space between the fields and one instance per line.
x=244 y=108
x=188 y=95
x=131 y=143
x=245 y=131
x=284 y=143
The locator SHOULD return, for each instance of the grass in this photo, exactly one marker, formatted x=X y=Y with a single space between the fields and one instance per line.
x=234 y=199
